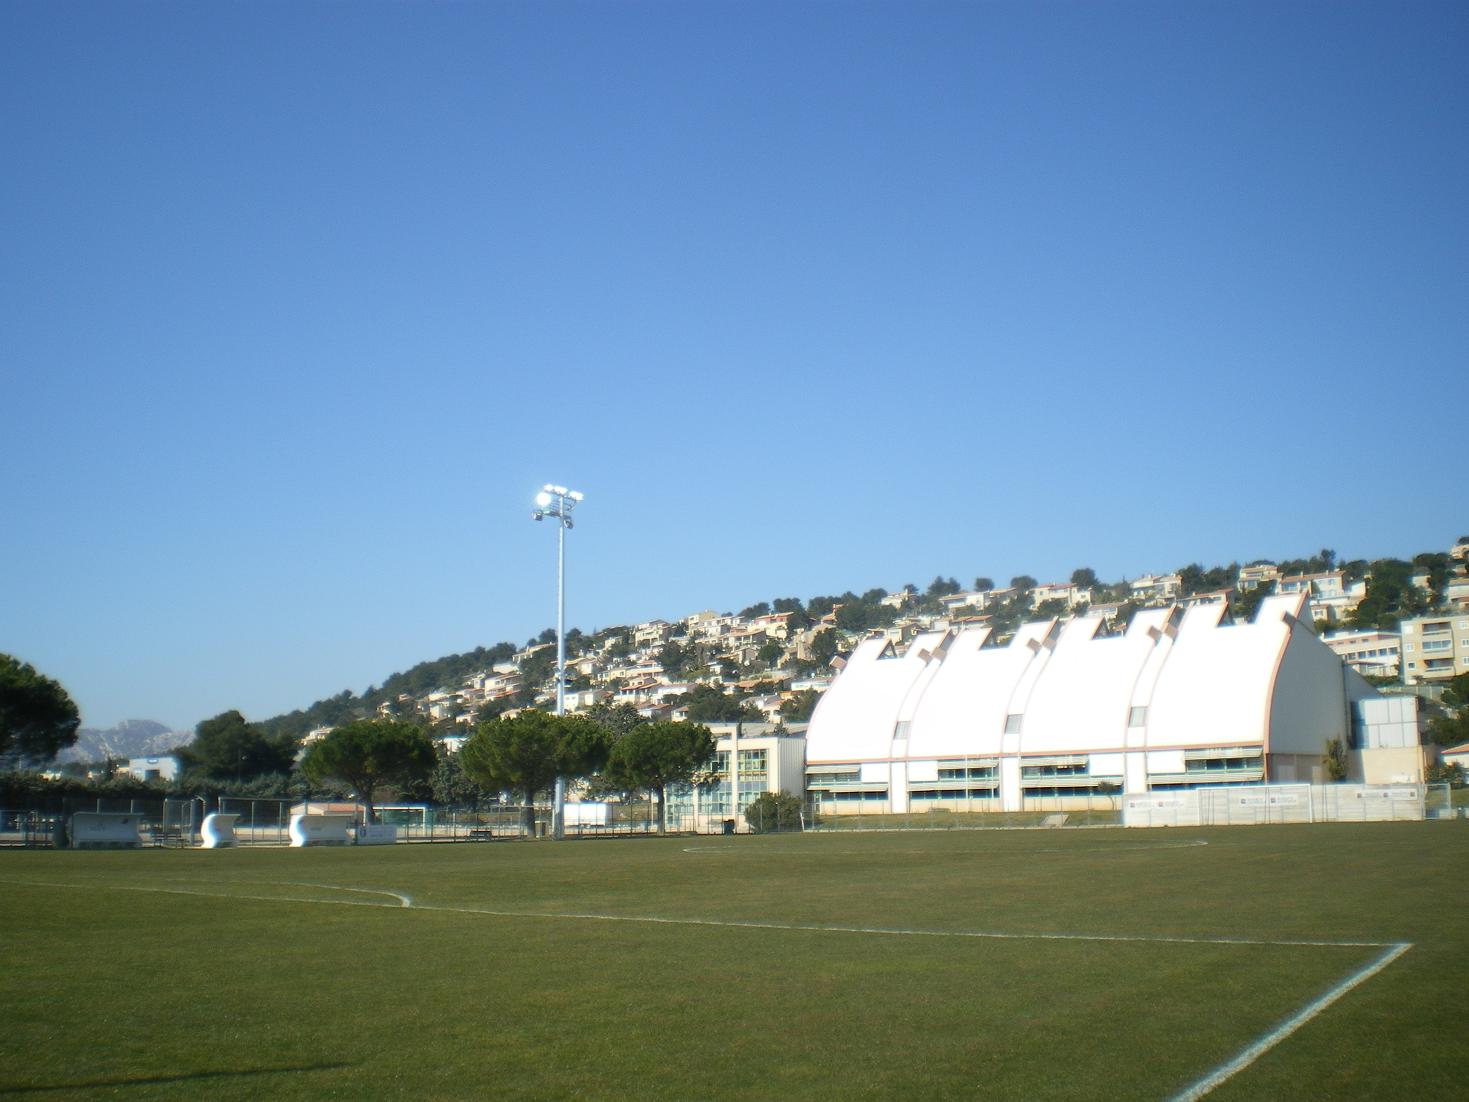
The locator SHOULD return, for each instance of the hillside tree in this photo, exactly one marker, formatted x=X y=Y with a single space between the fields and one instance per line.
x=709 y=704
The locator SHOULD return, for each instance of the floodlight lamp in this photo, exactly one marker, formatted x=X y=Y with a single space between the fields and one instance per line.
x=543 y=499
x=575 y=495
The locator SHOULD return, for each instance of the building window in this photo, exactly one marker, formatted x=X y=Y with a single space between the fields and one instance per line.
x=752 y=763
x=1223 y=765
x=821 y=780
x=973 y=772
x=1071 y=770
x=1012 y=723
x=1138 y=717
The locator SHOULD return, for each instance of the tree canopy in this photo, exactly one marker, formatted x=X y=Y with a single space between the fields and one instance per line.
x=1456 y=692
x=942 y=587
x=370 y=753
x=450 y=785
x=709 y=704
x=863 y=615
x=1391 y=596
x=226 y=747
x=37 y=717
x=774 y=812
x=657 y=755
x=673 y=656
x=526 y=752
x=799 y=706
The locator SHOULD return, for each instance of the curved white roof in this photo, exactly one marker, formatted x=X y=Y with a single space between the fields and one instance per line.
x=1082 y=700
x=1202 y=682
x=962 y=714
x=1215 y=688
x=855 y=717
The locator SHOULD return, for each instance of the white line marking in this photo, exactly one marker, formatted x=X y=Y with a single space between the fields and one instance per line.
x=1125 y=847
x=1227 y=1071
x=739 y=924
x=402 y=899
x=890 y=931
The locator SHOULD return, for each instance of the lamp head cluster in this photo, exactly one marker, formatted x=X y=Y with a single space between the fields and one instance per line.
x=557 y=502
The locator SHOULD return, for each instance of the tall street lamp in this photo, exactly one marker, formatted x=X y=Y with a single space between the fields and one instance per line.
x=557 y=502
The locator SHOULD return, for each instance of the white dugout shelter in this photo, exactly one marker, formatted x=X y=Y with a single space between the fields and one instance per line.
x=1179 y=699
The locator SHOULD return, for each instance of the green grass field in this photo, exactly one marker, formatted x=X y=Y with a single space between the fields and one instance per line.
x=779 y=967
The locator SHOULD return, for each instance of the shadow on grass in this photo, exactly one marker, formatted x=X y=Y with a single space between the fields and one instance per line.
x=155 y=1080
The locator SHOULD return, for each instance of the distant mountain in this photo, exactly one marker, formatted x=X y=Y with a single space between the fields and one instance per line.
x=132 y=738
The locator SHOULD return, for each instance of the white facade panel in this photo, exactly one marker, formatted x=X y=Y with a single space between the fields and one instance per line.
x=922 y=771
x=1308 y=706
x=1165 y=761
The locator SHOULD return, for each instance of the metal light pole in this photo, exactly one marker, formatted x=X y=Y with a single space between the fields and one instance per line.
x=557 y=502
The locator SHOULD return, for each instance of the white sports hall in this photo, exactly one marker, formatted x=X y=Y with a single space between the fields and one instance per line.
x=1063 y=712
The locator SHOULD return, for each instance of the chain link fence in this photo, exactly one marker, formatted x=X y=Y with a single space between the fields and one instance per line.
x=266 y=822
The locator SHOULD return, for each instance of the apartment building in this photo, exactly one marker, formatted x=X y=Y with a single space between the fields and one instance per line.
x=1256 y=575
x=1435 y=648
x=1371 y=653
x=1156 y=587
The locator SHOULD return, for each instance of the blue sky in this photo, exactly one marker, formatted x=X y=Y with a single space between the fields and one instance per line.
x=300 y=304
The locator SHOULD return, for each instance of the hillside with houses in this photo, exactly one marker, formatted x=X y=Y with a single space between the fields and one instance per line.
x=771 y=661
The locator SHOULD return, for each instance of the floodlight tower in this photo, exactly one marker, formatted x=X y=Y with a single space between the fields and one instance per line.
x=557 y=502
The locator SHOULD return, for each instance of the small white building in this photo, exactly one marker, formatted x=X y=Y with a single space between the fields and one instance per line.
x=1457 y=755
x=162 y=768
x=1156 y=587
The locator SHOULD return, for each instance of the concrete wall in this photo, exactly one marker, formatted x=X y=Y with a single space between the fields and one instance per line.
x=1395 y=765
